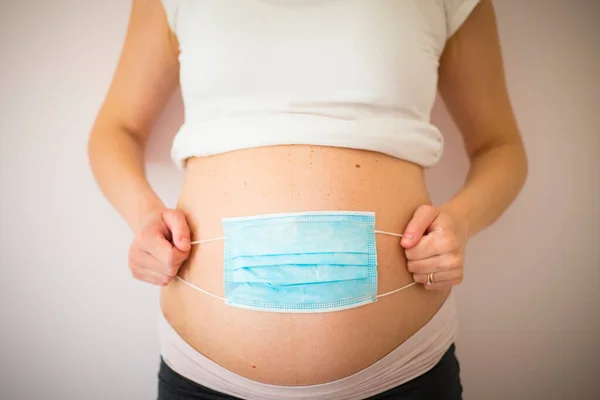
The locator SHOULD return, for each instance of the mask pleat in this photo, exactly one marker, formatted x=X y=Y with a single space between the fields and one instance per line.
x=301 y=259
x=300 y=262
x=288 y=237
x=292 y=274
x=311 y=294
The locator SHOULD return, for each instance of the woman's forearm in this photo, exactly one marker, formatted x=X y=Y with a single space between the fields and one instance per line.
x=495 y=177
x=117 y=161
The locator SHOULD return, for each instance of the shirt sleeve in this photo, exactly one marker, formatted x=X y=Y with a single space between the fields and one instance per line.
x=457 y=12
x=171 y=7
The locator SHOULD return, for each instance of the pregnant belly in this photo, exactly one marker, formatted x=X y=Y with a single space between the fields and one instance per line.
x=297 y=349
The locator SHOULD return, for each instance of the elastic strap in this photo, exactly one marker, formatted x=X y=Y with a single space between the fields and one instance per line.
x=222 y=298
x=388 y=233
x=223 y=237
x=198 y=289
x=208 y=240
x=396 y=290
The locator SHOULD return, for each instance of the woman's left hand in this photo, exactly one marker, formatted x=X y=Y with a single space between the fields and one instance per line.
x=434 y=242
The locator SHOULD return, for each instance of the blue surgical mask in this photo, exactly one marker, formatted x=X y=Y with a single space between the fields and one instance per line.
x=300 y=262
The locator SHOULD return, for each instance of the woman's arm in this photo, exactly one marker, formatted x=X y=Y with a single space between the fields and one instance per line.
x=472 y=84
x=145 y=77
x=473 y=87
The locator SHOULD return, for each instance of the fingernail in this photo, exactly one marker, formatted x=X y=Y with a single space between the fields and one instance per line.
x=184 y=243
x=408 y=236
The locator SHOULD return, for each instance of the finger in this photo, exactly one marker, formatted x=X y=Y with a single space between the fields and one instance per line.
x=178 y=226
x=169 y=257
x=416 y=228
x=146 y=260
x=433 y=244
x=440 y=278
x=157 y=277
x=150 y=276
x=153 y=241
x=444 y=284
x=426 y=248
x=433 y=264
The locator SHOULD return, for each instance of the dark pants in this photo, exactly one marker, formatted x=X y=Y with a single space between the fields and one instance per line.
x=442 y=382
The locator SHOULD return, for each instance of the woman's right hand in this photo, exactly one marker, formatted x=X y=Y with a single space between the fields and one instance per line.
x=160 y=247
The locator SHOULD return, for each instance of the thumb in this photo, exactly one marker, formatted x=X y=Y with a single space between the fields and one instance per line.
x=180 y=231
x=416 y=228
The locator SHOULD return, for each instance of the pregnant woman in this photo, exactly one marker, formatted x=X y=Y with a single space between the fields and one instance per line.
x=304 y=259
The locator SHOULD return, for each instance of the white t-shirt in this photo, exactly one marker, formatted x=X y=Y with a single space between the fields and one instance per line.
x=347 y=73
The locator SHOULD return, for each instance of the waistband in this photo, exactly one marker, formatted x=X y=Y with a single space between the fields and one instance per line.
x=417 y=355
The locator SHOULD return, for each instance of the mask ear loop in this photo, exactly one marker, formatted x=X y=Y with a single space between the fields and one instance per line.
x=199 y=288
x=191 y=284
x=208 y=240
x=396 y=290
x=388 y=233
x=223 y=238
x=403 y=287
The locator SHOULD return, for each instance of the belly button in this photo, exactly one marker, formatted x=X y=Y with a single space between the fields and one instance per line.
x=357 y=165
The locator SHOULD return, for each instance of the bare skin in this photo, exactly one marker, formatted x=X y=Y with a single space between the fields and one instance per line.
x=291 y=349
x=308 y=348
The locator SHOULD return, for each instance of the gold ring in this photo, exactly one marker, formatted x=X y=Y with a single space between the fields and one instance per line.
x=430 y=278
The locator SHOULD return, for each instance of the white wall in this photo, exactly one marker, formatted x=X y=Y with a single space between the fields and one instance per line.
x=74 y=325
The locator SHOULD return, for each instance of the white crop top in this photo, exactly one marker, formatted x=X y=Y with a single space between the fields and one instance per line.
x=347 y=73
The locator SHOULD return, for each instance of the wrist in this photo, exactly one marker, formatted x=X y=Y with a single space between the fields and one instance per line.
x=146 y=206
x=461 y=217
